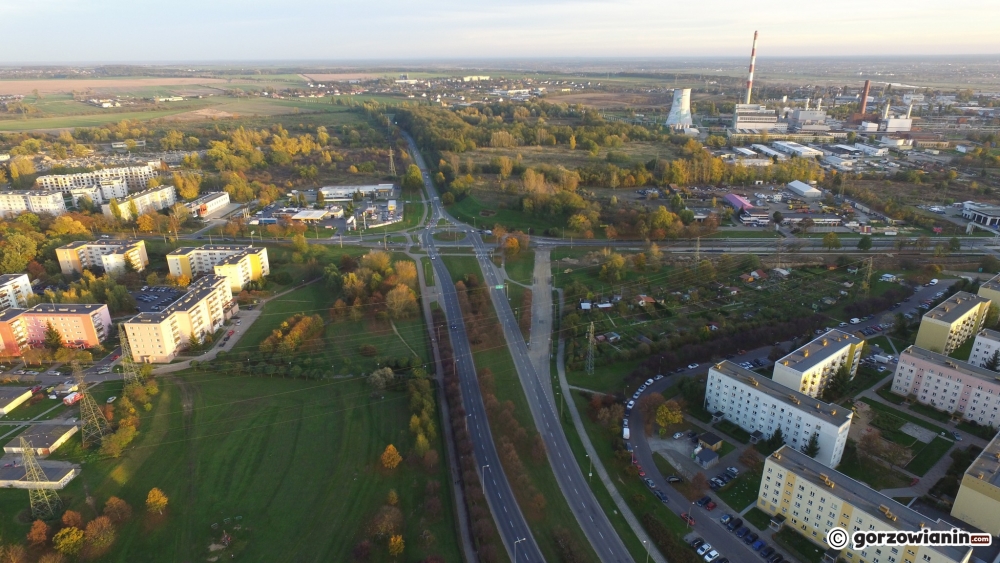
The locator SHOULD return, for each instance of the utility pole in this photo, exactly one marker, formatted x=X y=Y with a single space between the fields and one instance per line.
x=590 y=349
x=45 y=503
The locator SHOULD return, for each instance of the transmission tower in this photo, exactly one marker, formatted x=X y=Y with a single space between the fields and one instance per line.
x=392 y=163
x=45 y=503
x=590 y=349
x=867 y=284
x=93 y=424
x=130 y=371
x=697 y=251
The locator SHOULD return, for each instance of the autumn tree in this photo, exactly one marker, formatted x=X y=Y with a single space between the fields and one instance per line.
x=870 y=445
x=68 y=541
x=39 y=533
x=406 y=272
x=146 y=223
x=392 y=498
x=381 y=378
x=100 y=533
x=188 y=185
x=865 y=243
x=390 y=457
x=156 y=501
x=52 y=557
x=396 y=545
x=401 y=302
x=117 y=510
x=15 y=553
x=831 y=241
x=72 y=518
x=668 y=413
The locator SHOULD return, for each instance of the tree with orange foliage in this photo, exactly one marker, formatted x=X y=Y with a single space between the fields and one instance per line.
x=396 y=546
x=72 y=519
x=39 y=533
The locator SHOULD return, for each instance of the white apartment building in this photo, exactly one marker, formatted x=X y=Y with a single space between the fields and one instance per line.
x=101 y=191
x=809 y=368
x=238 y=264
x=14 y=202
x=761 y=406
x=799 y=492
x=135 y=177
x=208 y=204
x=15 y=289
x=987 y=343
x=108 y=254
x=949 y=385
x=150 y=200
x=159 y=337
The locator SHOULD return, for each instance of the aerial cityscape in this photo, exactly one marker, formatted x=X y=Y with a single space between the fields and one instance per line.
x=449 y=285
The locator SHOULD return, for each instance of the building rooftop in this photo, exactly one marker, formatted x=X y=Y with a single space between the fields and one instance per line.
x=7 y=278
x=953 y=308
x=207 y=198
x=861 y=496
x=834 y=414
x=149 y=191
x=68 y=308
x=709 y=438
x=44 y=435
x=988 y=333
x=818 y=350
x=102 y=242
x=30 y=192
x=964 y=368
x=992 y=283
x=310 y=215
x=8 y=394
x=197 y=291
x=208 y=247
x=987 y=465
x=8 y=314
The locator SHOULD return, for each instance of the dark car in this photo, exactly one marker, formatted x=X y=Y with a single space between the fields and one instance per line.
x=750 y=538
x=704 y=500
x=776 y=558
x=734 y=524
x=698 y=542
x=742 y=532
x=661 y=495
x=723 y=560
x=710 y=506
x=767 y=552
x=757 y=545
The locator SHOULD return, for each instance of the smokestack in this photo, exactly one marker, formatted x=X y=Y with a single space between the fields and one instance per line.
x=864 y=96
x=753 y=59
x=807 y=103
x=885 y=113
x=909 y=110
x=819 y=103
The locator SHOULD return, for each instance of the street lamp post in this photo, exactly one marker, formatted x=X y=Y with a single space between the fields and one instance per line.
x=646 y=544
x=515 y=548
x=590 y=470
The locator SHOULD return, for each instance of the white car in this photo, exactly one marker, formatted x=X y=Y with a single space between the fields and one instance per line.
x=678 y=435
x=624 y=423
x=711 y=556
x=111 y=399
x=705 y=548
x=649 y=382
x=692 y=366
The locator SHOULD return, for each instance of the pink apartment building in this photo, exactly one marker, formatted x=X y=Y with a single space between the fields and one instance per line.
x=949 y=385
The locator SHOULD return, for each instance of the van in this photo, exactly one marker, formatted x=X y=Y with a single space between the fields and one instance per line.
x=934 y=281
x=625 y=433
x=855 y=321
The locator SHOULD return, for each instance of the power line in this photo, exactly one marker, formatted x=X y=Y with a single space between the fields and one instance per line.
x=45 y=503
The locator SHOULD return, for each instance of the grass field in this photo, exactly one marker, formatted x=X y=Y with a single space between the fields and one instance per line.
x=758 y=518
x=876 y=476
x=879 y=407
x=521 y=267
x=927 y=457
x=742 y=491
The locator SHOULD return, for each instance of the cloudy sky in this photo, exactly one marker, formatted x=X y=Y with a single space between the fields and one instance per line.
x=331 y=30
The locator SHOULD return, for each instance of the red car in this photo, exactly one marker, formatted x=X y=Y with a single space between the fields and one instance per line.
x=115 y=357
x=687 y=518
x=232 y=332
x=710 y=506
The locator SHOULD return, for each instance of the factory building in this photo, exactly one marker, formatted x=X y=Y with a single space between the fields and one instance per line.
x=950 y=324
x=795 y=149
x=680 y=111
x=808 y=369
x=110 y=255
x=757 y=118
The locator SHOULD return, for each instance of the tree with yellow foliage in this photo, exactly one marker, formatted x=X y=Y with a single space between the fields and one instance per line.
x=156 y=501
x=396 y=546
x=391 y=457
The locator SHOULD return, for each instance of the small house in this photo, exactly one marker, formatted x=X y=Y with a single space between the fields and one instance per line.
x=710 y=441
x=746 y=278
x=706 y=458
x=604 y=306
x=613 y=337
x=585 y=305
x=888 y=278
x=781 y=272
x=759 y=274
x=645 y=300
x=44 y=438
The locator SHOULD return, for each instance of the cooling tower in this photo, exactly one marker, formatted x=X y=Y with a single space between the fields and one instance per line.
x=680 y=111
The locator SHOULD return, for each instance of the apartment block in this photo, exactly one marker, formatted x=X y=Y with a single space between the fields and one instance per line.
x=986 y=344
x=110 y=255
x=947 y=326
x=799 y=492
x=238 y=264
x=978 y=499
x=761 y=406
x=153 y=199
x=208 y=204
x=81 y=326
x=159 y=337
x=135 y=177
x=808 y=369
x=13 y=202
x=15 y=289
x=948 y=385
x=990 y=289
x=102 y=192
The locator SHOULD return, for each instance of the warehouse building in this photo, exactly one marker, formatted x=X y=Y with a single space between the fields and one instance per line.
x=110 y=255
x=761 y=406
x=808 y=369
x=15 y=290
x=347 y=193
x=950 y=324
x=44 y=438
x=795 y=149
x=803 y=189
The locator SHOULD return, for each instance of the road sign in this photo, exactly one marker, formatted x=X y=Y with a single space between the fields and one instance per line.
x=498 y=286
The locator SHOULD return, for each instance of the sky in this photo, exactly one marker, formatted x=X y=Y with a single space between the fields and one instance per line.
x=53 y=31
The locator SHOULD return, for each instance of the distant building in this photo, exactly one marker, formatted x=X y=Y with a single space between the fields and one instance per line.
x=135 y=177
x=238 y=264
x=153 y=199
x=15 y=202
x=756 y=117
x=809 y=368
x=869 y=150
x=737 y=202
x=795 y=149
x=44 y=438
x=803 y=189
x=982 y=214
x=950 y=324
x=680 y=111
x=990 y=289
x=347 y=193
x=986 y=344
x=15 y=290
x=110 y=255
x=81 y=326
x=769 y=152
x=208 y=204
x=99 y=192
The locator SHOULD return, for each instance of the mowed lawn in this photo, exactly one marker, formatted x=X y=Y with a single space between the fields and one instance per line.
x=294 y=464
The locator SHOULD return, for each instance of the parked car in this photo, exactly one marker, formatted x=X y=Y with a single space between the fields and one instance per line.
x=649 y=483
x=734 y=524
x=710 y=506
x=750 y=538
x=674 y=479
x=958 y=437
x=697 y=542
x=692 y=366
x=733 y=471
x=704 y=548
x=661 y=495
x=726 y=518
x=678 y=435
x=704 y=500
x=757 y=545
x=711 y=556
x=766 y=552
x=776 y=558
x=742 y=532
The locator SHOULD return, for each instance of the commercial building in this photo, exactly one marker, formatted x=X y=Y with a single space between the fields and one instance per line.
x=208 y=204
x=986 y=345
x=12 y=397
x=756 y=117
x=990 y=289
x=803 y=189
x=808 y=369
x=44 y=438
x=347 y=193
x=135 y=177
x=109 y=255
x=81 y=326
x=982 y=214
x=761 y=406
x=15 y=289
x=800 y=492
x=947 y=326
x=159 y=337
x=769 y=152
x=948 y=385
x=869 y=150
x=14 y=202
x=818 y=219
x=795 y=149
x=153 y=199
x=737 y=202
x=238 y=264
x=978 y=499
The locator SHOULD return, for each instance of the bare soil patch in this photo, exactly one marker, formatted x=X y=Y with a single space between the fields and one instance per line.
x=613 y=99
x=199 y=115
x=337 y=76
x=68 y=85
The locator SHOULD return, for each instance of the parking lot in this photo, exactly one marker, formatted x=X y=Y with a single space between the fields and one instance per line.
x=156 y=298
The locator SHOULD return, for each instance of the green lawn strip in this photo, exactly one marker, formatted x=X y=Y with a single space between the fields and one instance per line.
x=698 y=412
x=886 y=393
x=279 y=453
x=521 y=267
x=871 y=473
x=927 y=457
x=608 y=377
x=737 y=433
x=27 y=411
x=964 y=351
x=930 y=412
x=428 y=270
x=557 y=512
x=725 y=449
x=882 y=342
x=632 y=542
x=799 y=546
x=470 y=210
x=758 y=518
x=741 y=491
x=984 y=432
x=898 y=413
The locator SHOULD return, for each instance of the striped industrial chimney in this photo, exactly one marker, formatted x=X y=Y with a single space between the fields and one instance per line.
x=753 y=58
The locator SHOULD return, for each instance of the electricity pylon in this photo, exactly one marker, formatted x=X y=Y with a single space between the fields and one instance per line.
x=45 y=503
x=130 y=371
x=590 y=349
x=867 y=284
x=93 y=424
x=392 y=163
